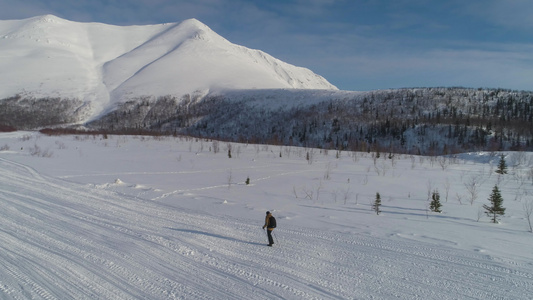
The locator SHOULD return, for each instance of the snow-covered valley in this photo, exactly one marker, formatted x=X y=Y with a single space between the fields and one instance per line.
x=125 y=217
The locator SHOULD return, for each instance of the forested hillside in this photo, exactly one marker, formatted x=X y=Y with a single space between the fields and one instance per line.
x=428 y=121
x=25 y=113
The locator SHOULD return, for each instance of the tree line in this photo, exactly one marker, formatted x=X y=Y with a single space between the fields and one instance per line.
x=426 y=121
x=25 y=113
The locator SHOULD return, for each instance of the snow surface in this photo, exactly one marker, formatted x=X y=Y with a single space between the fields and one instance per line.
x=47 y=56
x=126 y=217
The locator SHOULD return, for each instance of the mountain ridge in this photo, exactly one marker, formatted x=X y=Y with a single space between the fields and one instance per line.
x=102 y=64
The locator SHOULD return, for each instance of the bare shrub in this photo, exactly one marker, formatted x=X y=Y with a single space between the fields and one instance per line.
x=346 y=193
x=472 y=187
x=230 y=178
x=480 y=213
x=37 y=151
x=335 y=195
x=327 y=173
x=308 y=193
x=25 y=137
x=528 y=211
x=443 y=162
x=318 y=188
x=459 y=198
x=447 y=188
x=216 y=147
x=61 y=145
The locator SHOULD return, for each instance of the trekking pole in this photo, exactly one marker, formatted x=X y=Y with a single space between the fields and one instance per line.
x=266 y=232
x=276 y=237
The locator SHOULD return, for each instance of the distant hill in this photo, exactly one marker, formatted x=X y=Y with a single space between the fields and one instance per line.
x=426 y=121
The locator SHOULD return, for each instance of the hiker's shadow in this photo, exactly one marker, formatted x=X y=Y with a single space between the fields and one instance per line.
x=213 y=235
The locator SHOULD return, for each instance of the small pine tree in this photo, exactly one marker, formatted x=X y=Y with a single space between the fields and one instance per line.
x=377 y=204
x=435 y=204
x=496 y=208
x=502 y=166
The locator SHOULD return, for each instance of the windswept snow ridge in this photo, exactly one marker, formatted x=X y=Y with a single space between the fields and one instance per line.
x=47 y=56
x=183 y=236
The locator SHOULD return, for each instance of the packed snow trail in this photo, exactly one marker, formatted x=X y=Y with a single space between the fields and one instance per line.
x=61 y=240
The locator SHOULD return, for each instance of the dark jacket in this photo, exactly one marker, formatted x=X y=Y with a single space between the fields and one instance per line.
x=267 y=222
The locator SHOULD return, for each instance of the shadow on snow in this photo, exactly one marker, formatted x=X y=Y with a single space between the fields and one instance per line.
x=214 y=235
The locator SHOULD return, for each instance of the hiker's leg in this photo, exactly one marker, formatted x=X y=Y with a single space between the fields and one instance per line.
x=270 y=239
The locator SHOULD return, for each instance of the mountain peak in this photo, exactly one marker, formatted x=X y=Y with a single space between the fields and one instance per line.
x=194 y=23
x=198 y=30
x=49 y=19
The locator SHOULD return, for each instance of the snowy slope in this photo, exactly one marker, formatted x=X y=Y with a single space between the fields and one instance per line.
x=49 y=56
x=167 y=218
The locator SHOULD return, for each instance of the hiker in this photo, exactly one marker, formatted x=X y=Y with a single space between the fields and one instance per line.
x=270 y=224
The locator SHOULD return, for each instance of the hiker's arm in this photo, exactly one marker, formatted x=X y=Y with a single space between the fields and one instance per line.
x=266 y=222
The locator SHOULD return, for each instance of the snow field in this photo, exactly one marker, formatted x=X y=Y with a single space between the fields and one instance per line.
x=167 y=218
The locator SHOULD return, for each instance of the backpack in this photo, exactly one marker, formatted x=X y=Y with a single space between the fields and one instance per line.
x=272 y=222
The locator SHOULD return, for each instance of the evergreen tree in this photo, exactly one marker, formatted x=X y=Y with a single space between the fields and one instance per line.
x=377 y=204
x=502 y=166
x=496 y=208
x=435 y=202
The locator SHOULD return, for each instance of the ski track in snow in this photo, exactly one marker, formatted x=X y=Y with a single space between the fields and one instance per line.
x=182 y=191
x=62 y=240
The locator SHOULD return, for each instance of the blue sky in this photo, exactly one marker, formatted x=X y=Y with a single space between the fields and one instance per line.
x=355 y=44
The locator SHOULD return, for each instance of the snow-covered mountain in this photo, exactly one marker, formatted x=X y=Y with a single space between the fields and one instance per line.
x=102 y=64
